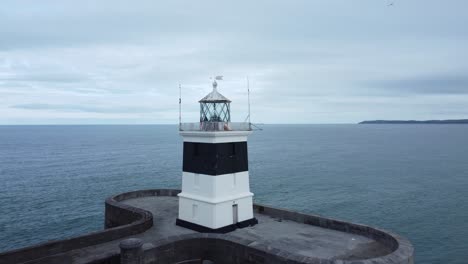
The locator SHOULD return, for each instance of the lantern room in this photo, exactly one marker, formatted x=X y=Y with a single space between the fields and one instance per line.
x=215 y=107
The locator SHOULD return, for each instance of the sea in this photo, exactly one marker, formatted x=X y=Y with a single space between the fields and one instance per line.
x=409 y=179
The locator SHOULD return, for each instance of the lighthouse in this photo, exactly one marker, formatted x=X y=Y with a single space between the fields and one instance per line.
x=215 y=195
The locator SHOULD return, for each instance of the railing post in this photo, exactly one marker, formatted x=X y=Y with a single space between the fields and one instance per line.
x=131 y=251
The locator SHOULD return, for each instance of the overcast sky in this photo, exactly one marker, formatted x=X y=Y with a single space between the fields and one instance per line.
x=328 y=61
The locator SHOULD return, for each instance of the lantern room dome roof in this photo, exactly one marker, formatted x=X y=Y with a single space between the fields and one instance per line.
x=214 y=96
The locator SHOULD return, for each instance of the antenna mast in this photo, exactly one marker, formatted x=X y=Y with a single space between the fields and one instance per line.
x=248 y=99
x=180 y=107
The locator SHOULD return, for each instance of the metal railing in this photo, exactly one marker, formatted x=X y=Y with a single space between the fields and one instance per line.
x=215 y=126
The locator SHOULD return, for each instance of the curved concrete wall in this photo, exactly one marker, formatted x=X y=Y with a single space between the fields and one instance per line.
x=224 y=248
x=402 y=250
x=124 y=220
x=120 y=221
x=118 y=214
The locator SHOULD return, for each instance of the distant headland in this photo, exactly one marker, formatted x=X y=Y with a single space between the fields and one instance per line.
x=436 y=122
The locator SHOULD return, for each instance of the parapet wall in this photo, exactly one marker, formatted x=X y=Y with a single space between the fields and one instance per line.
x=124 y=220
x=228 y=249
x=402 y=250
x=118 y=214
x=120 y=221
x=224 y=248
x=392 y=241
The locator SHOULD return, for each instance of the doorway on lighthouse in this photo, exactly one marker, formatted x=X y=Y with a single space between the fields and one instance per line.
x=235 y=212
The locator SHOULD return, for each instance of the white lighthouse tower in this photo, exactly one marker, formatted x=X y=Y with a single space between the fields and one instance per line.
x=215 y=193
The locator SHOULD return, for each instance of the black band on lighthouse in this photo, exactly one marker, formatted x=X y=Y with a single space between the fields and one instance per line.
x=215 y=158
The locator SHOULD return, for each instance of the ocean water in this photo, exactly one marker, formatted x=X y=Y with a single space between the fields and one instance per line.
x=410 y=179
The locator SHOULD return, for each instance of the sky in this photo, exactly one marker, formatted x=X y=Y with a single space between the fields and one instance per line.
x=311 y=61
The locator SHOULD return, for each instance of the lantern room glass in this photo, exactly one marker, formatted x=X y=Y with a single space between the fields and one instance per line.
x=215 y=112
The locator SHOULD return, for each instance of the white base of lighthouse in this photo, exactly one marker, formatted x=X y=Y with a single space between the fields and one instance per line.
x=215 y=202
x=215 y=216
x=215 y=193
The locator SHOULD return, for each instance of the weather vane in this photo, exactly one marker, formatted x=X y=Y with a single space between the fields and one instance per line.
x=217 y=78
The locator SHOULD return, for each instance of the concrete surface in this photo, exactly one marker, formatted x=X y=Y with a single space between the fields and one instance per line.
x=302 y=239
x=281 y=236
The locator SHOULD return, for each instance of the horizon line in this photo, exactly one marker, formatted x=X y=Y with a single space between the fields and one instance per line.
x=162 y=124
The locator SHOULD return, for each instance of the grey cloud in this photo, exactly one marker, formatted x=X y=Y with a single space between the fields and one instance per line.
x=89 y=109
x=112 y=58
x=45 y=77
x=430 y=84
x=262 y=23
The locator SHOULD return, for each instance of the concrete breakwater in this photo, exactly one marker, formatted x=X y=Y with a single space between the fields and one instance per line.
x=149 y=216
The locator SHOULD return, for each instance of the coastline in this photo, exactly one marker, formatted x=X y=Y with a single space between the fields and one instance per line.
x=412 y=122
